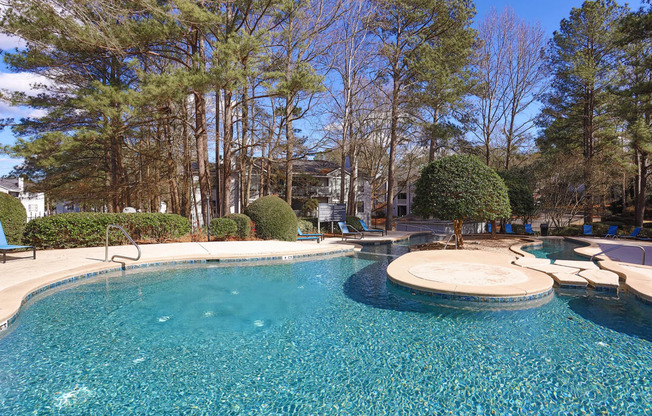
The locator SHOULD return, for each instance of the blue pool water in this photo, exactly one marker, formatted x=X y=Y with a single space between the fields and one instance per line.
x=316 y=338
x=556 y=249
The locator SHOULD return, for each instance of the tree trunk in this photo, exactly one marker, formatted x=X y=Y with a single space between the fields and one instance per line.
x=218 y=177
x=457 y=228
x=228 y=143
x=588 y=155
x=393 y=139
x=640 y=186
x=433 y=138
x=201 y=136
x=289 y=150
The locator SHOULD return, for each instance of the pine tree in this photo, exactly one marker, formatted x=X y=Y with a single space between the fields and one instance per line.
x=583 y=56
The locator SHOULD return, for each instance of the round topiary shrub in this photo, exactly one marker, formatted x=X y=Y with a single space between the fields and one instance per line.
x=274 y=219
x=223 y=228
x=244 y=225
x=13 y=218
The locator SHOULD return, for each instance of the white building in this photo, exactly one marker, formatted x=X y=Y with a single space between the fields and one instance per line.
x=34 y=203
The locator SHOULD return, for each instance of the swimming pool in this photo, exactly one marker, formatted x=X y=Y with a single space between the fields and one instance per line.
x=315 y=337
x=556 y=249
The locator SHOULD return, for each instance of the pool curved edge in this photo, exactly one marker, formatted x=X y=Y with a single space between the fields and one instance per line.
x=537 y=285
x=13 y=298
x=638 y=278
x=518 y=248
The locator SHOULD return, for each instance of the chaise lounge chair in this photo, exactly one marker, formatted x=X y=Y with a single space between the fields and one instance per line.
x=508 y=229
x=347 y=233
x=634 y=233
x=529 y=230
x=302 y=236
x=588 y=230
x=371 y=230
x=612 y=231
x=4 y=247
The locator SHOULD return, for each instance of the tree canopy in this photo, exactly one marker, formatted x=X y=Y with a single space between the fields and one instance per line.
x=458 y=188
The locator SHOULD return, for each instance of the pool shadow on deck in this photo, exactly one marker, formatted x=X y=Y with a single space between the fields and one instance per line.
x=625 y=314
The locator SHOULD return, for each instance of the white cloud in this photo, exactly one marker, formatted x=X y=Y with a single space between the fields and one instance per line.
x=9 y=43
x=22 y=81
x=17 y=113
x=7 y=164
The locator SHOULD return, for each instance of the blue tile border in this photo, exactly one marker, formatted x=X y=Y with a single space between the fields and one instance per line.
x=5 y=325
x=472 y=298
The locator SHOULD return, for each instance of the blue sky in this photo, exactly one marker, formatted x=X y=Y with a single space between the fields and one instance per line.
x=549 y=13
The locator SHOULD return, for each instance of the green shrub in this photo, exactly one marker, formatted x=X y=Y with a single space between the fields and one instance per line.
x=244 y=225
x=573 y=230
x=223 y=228
x=85 y=229
x=273 y=218
x=306 y=226
x=13 y=218
x=354 y=221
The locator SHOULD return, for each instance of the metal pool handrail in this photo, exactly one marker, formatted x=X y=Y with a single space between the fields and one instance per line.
x=106 y=245
x=620 y=246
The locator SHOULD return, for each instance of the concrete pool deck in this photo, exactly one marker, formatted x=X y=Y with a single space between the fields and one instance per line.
x=21 y=276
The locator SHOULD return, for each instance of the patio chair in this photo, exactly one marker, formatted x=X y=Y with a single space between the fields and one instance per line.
x=529 y=230
x=508 y=229
x=347 y=233
x=489 y=227
x=302 y=236
x=371 y=230
x=4 y=247
x=612 y=231
x=634 y=233
x=588 y=230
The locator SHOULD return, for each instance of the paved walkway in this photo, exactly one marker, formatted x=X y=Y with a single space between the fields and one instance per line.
x=21 y=275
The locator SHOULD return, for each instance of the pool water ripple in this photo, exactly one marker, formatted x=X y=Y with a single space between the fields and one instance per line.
x=314 y=337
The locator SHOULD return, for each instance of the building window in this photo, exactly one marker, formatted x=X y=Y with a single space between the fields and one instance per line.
x=33 y=208
x=360 y=206
x=402 y=195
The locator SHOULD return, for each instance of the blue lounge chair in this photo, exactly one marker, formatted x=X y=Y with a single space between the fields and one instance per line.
x=302 y=236
x=489 y=227
x=634 y=233
x=347 y=233
x=588 y=230
x=508 y=229
x=4 y=247
x=529 y=230
x=371 y=230
x=612 y=231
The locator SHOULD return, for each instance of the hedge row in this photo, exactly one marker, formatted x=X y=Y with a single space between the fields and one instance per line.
x=89 y=229
x=223 y=228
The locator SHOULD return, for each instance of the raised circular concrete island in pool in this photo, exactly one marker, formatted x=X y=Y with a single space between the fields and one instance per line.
x=471 y=275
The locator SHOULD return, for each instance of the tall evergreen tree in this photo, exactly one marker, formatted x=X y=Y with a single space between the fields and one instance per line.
x=583 y=56
x=403 y=27
x=635 y=97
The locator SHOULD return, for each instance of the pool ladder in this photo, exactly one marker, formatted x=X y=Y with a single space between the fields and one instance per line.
x=106 y=245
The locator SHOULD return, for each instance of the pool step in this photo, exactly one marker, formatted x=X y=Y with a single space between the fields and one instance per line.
x=573 y=274
x=578 y=264
x=601 y=279
x=553 y=268
x=570 y=281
